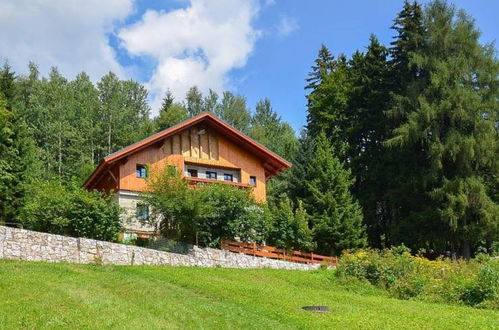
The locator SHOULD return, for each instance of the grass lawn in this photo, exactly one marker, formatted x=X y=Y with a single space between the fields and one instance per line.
x=41 y=295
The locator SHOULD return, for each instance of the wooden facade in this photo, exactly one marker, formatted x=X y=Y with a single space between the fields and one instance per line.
x=203 y=141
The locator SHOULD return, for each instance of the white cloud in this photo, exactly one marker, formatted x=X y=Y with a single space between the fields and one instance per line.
x=69 y=34
x=197 y=45
x=286 y=26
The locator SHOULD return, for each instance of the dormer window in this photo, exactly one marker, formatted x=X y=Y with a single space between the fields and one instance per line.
x=141 y=171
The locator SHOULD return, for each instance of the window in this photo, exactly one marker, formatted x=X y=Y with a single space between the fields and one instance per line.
x=228 y=177
x=192 y=173
x=142 y=212
x=141 y=171
x=211 y=175
x=253 y=180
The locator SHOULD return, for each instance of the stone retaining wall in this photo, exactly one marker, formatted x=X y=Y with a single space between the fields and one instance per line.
x=20 y=244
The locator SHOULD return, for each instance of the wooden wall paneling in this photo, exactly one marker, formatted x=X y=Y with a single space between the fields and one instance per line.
x=205 y=145
x=213 y=142
x=186 y=144
x=176 y=144
x=195 y=142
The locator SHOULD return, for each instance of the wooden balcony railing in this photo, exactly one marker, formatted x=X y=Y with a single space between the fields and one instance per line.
x=193 y=181
x=275 y=253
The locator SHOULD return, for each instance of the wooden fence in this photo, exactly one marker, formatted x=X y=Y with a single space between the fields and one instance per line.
x=275 y=253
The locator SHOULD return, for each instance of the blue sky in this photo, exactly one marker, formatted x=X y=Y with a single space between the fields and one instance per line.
x=257 y=48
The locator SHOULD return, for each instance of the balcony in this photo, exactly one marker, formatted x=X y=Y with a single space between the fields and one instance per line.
x=195 y=181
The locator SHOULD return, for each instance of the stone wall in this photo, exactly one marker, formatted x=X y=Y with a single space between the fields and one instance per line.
x=20 y=244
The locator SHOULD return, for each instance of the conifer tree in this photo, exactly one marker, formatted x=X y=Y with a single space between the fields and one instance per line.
x=336 y=215
x=454 y=122
x=194 y=101
x=18 y=163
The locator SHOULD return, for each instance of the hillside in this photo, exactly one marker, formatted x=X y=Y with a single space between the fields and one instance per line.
x=40 y=295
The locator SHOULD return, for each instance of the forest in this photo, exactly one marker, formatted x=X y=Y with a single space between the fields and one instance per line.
x=400 y=145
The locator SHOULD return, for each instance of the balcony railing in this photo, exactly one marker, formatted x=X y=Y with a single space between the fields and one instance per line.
x=194 y=180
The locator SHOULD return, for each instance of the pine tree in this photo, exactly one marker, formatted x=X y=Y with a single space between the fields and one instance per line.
x=336 y=215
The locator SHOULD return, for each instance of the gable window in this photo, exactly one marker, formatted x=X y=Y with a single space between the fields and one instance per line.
x=228 y=177
x=211 y=175
x=141 y=171
x=142 y=211
x=192 y=173
x=252 y=180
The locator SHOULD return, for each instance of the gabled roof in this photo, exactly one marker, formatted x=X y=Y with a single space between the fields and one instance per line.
x=272 y=162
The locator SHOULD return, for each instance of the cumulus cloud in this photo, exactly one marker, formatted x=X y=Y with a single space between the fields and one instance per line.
x=286 y=26
x=197 y=45
x=69 y=34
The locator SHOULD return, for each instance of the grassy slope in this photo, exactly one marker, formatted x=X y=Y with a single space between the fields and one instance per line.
x=39 y=295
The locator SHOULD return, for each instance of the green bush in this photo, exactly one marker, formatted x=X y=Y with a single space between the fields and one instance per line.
x=53 y=208
x=206 y=214
x=473 y=283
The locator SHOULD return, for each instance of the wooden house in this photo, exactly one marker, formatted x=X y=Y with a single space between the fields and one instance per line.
x=204 y=148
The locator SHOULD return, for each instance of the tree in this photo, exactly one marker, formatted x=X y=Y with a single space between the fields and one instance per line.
x=336 y=215
x=233 y=110
x=368 y=127
x=271 y=131
x=18 y=163
x=194 y=101
x=173 y=114
x=327 y=105
x=290 y=229
x=453 y=122
x=324 y=65
x=7 y=86
x=54 y=208
x=205 y=214
x=210 y=102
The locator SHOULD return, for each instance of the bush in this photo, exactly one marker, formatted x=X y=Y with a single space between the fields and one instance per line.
x=57 y=209
x=210 y=212
x=473 y=283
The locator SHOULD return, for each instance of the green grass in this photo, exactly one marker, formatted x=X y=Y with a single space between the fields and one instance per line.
x=40 y=295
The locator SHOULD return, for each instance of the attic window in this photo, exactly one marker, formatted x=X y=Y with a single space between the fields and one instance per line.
x=141 y=171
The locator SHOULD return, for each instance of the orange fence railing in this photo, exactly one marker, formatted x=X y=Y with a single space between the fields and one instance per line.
x=275 y=253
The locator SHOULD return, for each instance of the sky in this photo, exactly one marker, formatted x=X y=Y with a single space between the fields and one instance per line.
x=256 y=48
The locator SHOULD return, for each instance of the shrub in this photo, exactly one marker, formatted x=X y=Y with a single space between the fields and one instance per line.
x=54 y=208
x=209 y=212
x=474 y=283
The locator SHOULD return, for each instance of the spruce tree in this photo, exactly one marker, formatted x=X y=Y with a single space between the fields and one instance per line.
x=18 y=163
x=327 y=105
x=336 y=215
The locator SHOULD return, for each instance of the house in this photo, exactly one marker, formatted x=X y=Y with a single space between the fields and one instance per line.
x=204 y=148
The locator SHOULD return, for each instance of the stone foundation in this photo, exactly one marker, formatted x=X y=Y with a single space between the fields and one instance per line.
x=20 y=244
